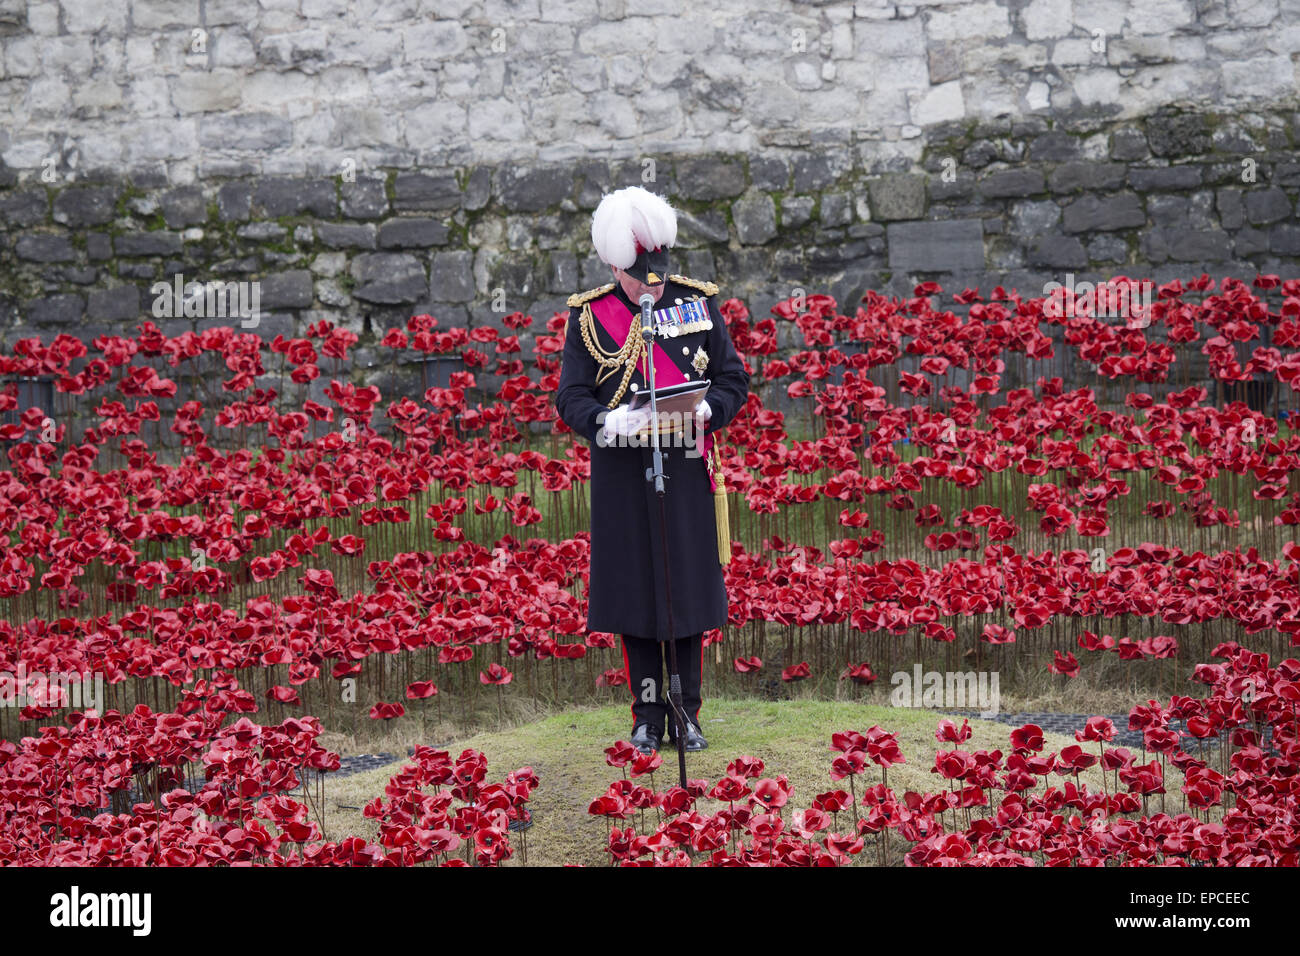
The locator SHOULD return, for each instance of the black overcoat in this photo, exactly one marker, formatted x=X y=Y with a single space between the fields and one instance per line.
x=626 y=586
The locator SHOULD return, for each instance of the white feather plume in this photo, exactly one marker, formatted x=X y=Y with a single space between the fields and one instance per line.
x=626 y=216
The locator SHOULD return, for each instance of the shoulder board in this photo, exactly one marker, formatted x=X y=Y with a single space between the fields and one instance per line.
x=579 y=298
x=708 y=288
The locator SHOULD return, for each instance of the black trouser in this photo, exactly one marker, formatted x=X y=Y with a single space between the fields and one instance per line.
x=647 y=662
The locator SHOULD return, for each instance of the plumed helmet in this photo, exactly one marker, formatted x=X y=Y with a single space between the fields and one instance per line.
x=632 y=229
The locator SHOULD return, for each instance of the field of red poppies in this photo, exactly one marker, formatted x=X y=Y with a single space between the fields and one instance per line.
x=234 y=546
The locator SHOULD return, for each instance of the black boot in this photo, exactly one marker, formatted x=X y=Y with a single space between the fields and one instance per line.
x=694 y=739
x=647 y=738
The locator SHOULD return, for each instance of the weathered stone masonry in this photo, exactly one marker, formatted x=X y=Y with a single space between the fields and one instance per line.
x=366 y=161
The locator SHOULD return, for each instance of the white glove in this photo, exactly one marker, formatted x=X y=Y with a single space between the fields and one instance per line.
x=703 y=412
x=623 y=421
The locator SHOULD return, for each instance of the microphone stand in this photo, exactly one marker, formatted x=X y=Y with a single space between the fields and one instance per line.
x=656 y=474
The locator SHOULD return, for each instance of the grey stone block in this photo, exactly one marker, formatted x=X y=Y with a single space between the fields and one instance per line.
x=1287 y=175
x=1249 y=241
x=1231 y=209
x=561 y=276
x=936 y=246
x=1032 y=217
x=796 y=211
x=897 y=196
x=234 y=201
x=292 y=197
x=1234 y=139
x=1106 y=248
x=86 y=205
x=77 y=275
x=1167 y=178
x=252 y=131
x=346 y=235
x=426 y=192
x=940 y=190
x=835 y=209
x=709 y=177
x=532 y=188
x=755 y=219
x=455 y=315
x=412 y=234
x=1128 y=144
x=1012 y=182
x=594 y=180
x=389 y=278
x=44 y=248
x=184 y=206
x=1184 y=134
x=262 y=231
x=769 y=173
x=243 y=266
x=698 y=264
x=117 y=304
x=1072 y=177
x=287 y=290
x=710 y=226
x=979 y=154
x=813 y=172
x=137 y=244
x=150 y=177
x=1185 y=245
x=478 y=189
x=1267 y=204
x=99 y=247
x=1058 y=252
x=451 y=276
x=1054 y=147
x=65 y=308
x=268 y=324
x=1169 y=210
x=837 y=253
x=1284 y=240
x=1091 y=213
x=364 y=199
x=277 y=260
x=513 y=274
x=26 y=207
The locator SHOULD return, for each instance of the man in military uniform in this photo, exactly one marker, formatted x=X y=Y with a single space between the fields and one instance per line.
x=604 y=365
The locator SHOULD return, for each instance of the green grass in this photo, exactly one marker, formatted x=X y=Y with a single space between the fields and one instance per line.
x=792 y=738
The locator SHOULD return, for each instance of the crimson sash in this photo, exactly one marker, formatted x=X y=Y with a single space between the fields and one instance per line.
x=615 y=319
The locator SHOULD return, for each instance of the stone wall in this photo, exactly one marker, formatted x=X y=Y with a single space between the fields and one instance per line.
x=364 y=161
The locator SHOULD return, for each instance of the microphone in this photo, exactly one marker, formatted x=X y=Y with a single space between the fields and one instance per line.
x=647 y=305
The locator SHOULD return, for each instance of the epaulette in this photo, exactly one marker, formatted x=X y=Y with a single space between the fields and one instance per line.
x=579 y=298
x=708 y=288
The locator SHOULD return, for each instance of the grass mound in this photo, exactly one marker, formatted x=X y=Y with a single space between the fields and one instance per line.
x=567 y=751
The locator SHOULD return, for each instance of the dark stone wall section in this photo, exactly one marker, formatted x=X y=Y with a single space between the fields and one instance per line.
x=1015 y=203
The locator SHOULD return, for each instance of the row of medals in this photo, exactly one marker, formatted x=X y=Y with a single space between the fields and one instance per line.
x=670 y=326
